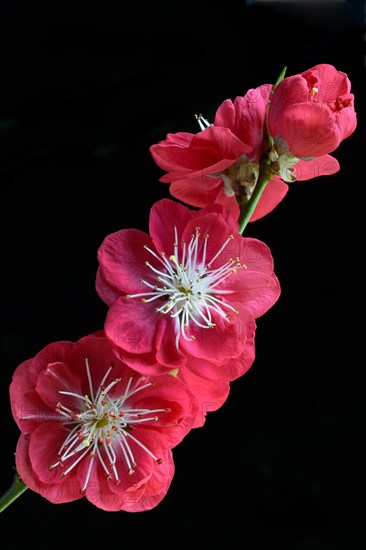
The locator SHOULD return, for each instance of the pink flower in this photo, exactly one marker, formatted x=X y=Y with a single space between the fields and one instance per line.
x=221 y=163
x=92 y=426
x=188 y=294
x=313 y=112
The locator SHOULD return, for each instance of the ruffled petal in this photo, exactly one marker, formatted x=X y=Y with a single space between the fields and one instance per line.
x=181 y=406
x=155 y=489
x=346 y=120
x=206 y=150
x=309 y=129
x=165 y=215
x=106 y=292
x=64 y=491
x=257 y=291
x=211 y=394
x=331 y=82
x=56 y=351
x=168 y=354
x=246 y=118
x=122 y=256
x=222 y=342
x=45 y=444
x=234 y=367
x=131 y=325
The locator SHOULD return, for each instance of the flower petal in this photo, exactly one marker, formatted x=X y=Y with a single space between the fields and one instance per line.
x=246 y=118
x=259 y=291
x=166 y=214
x=126 y=325
x=232 y=368
x=122 y=258
x=222 y=342
x=156 y=488
x=211 y=394
x=309 y=129
x=256 y=255
x=331 y=82
x=198 y=191
x=325 y=165
x=210 y=150
x=64 y=491
x=44 y=447
x=273 y=193
x=181 y=406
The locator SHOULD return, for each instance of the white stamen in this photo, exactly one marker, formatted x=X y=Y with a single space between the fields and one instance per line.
x=146 y=449
x=189 y=288
x=202 y=122
x=101 y=426
x=89 y=378
x=127 y=456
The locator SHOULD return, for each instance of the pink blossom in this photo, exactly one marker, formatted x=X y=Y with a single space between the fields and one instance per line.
x=92 y=426
x=188 y=294
x=221 y=163
x=313 y=112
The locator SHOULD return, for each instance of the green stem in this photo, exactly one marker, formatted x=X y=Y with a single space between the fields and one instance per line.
x=264 y=176
x=247 y=209
x=17 y=488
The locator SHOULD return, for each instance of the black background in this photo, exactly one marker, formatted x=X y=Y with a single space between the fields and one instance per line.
x=86 y=88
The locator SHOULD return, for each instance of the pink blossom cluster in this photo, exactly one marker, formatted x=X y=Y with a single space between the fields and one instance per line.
x=100 y=417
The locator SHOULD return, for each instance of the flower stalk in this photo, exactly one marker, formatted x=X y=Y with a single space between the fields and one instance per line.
x=265 y=175
x=247 y=209
x=17 y=488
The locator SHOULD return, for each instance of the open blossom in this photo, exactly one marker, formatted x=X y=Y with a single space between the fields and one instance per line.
x=312 y=112
x=221 y=162
x=188 y=294
x=92 y=426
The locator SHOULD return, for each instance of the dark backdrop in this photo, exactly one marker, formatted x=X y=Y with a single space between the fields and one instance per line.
x=86 y=88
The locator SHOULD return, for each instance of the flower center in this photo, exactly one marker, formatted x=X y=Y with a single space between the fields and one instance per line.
x=101 y=429
x=282 y=161
x=240 y=179
x=188 y=286
x=341 y=102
